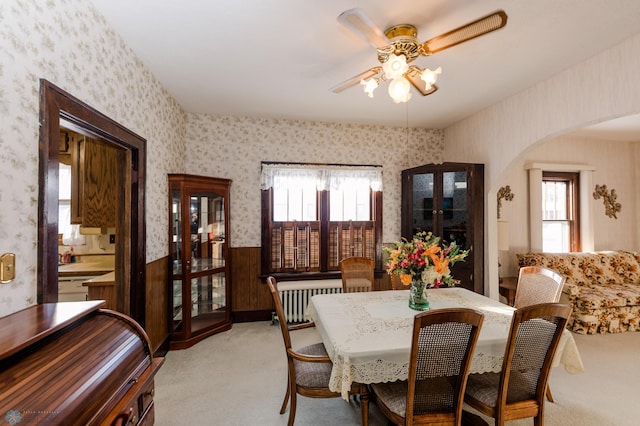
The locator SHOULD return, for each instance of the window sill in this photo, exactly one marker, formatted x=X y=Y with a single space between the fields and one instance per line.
x=301 y=276
x=308 y=276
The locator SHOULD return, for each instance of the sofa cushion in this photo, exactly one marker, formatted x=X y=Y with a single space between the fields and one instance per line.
x=577 y=267
x=621 y=267
x=595 y=268
x=600 y=297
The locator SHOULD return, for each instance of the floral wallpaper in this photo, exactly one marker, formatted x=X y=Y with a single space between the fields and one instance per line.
x=68 y=43
x=234 y=147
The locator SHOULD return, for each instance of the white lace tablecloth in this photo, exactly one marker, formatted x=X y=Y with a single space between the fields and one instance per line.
x=368 y=335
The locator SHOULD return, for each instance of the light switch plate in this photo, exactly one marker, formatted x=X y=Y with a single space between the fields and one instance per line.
x=7 y=267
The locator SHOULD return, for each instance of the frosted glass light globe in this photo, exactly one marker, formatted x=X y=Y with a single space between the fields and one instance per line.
x=399 y=90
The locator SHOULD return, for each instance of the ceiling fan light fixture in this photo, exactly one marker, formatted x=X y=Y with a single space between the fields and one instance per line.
x=429 y=77
x=399 y=46
x=396 y=66
x=400 y=90
x=369 y=86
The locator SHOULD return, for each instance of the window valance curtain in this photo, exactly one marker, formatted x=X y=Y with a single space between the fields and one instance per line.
x=325 y=177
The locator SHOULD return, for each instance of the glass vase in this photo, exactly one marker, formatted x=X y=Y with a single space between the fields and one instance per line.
x=418 y=300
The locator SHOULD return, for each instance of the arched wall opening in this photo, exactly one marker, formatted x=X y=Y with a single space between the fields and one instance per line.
x=600 y=89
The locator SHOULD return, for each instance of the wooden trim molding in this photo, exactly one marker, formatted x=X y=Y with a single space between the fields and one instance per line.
x=158 y=304
x=56 y=105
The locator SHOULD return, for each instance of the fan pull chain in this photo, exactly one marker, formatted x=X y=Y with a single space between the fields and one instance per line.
x=407 y=120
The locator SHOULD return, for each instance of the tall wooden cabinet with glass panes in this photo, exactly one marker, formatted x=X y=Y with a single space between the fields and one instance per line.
x=448 y=200
x=198 y=249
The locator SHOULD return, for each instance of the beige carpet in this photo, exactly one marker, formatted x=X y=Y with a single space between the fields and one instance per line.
x=238 y=378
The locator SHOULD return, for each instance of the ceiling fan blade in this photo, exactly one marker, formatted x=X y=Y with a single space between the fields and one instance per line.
x=474 y=29
x=358 y=22
x=419 y=84
x=355 y=80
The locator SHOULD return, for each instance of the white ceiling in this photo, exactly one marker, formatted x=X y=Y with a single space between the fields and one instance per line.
x=623 y=129
x=279 y=58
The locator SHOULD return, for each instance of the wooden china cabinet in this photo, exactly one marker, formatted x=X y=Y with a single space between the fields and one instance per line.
x=448 y=200
x=199 y=250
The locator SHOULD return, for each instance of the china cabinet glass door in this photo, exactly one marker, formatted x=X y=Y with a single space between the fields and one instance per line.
x=447 y=200
x=201 y=307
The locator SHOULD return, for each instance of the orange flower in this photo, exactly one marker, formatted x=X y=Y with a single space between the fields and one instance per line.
x=441 y=265
x=405 y=279
x=431 y=251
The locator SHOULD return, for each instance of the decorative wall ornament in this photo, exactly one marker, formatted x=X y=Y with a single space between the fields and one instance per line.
x=609 y=198
x=504 y=193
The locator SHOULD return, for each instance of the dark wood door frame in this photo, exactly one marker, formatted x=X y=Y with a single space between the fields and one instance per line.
x=56 y=105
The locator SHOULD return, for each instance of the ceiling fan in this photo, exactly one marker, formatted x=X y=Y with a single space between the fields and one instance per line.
x=398 y=46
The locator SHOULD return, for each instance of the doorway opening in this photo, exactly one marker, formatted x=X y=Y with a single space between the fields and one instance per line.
x=59 y=109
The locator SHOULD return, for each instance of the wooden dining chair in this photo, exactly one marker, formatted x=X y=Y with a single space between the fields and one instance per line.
x=518 y=391
x=538 y=285
x=309 y=367
x=396 y=284
x=357 y=274
x=441 y=353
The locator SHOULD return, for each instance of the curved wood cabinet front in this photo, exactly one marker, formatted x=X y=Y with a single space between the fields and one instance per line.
x=73 y=363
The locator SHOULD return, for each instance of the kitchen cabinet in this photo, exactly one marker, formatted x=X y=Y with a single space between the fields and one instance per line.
x=198 y=241
x=94 y=269
x=448 y=200
x=70 y=289
x=94 y=181
x=67 y=141
x=103 y=287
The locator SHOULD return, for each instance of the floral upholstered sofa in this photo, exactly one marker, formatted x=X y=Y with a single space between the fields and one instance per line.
x=603 y=288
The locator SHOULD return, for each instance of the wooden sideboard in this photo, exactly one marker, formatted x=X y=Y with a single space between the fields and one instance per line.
x=74 y=363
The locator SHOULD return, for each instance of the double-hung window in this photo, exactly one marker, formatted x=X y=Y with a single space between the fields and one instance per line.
x=313 y=216
x=560 y=219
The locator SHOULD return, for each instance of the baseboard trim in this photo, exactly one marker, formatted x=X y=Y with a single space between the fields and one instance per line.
x=252 y=316
x=162 y=348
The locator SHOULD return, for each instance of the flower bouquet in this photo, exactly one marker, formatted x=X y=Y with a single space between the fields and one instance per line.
x=423 y=262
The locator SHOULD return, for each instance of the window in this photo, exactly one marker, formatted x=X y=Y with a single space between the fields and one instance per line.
x=313 y=216
x=70 y=233
x=64 y=200
x=294 y=199
x=560 y=224
x=351 y=201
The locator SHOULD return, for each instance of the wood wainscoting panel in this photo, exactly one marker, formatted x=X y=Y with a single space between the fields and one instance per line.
x=383 y=282
x=248 y=292
x=157 y=302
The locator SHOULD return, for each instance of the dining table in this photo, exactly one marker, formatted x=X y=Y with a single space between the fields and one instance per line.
x=368 y=335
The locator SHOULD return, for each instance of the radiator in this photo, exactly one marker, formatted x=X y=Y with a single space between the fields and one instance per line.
x=295 y=295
